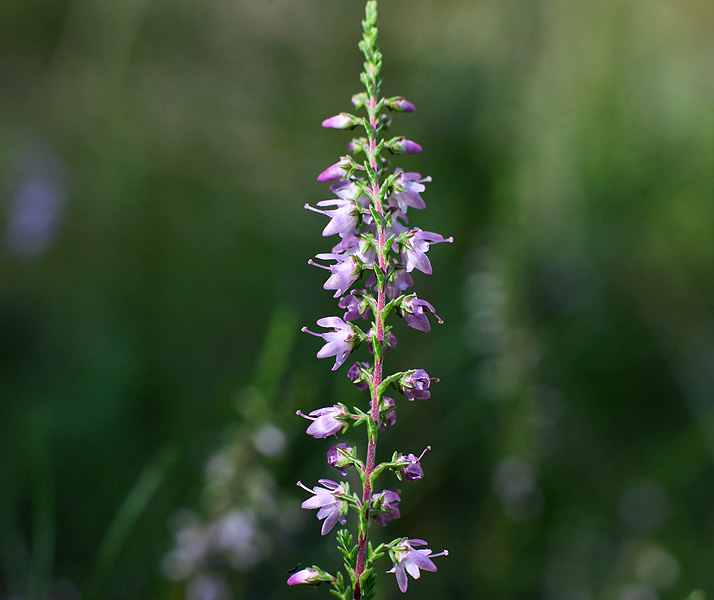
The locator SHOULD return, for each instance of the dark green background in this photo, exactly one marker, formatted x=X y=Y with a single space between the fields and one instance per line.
x=571 y=144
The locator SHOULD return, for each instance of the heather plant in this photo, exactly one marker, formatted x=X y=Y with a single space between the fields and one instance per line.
x=370 y=272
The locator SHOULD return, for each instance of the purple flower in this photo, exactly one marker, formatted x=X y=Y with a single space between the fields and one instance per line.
x=305 y=577
x=385 y=505
x=398 y=283
x=411 y=468
x=357 y=377
x=343 y=219
x=355 y=307
x=407 y=559
x=341 y=121
x=415 y=384
x=330 y=507
x=407 y=189
x=357 y=145
x=344 y=272
x=340 y=342
x=389 y=417
x=412 y=309
x=402 y=145
x=334 y=172
x=336 y=457
x=415 y=247
x=326 y=421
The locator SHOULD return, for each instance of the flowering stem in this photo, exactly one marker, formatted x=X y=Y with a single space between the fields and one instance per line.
x=373 y=63
x=370 y=216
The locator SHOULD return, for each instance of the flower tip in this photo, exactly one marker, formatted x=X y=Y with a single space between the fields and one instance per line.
x=341 y=121
x=402 y=145
x=404 y=105
x=304 y=577
x=334 y=172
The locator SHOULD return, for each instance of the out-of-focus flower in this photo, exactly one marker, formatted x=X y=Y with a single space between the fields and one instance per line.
x=39 y=193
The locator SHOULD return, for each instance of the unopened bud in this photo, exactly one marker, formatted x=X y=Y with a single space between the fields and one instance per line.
x=341 y=121
x=402 y=145
x=400 y=104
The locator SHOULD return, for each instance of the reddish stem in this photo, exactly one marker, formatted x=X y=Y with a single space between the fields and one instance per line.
x=377 y=373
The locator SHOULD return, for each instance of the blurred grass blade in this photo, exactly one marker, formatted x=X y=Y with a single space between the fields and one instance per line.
x=43 y=542
x=126 y=517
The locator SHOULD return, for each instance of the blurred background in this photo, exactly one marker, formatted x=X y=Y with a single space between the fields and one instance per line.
x=155 y=157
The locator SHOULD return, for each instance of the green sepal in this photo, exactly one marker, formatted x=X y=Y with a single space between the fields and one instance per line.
x=362 y=417
x=377 y=346
x=378 y=148
x=388 y=243
x=378 y=219
x=388 y=308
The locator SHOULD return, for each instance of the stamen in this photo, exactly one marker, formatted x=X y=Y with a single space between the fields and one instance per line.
x=423 y=453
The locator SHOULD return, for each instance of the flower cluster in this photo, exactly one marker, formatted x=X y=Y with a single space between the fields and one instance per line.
x=371 y=267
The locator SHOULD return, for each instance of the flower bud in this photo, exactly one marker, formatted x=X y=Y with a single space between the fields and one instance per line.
x=357 y=376
x=402 y=145
x=305 y=577
x=334 y=172
x=341 y=121
x=357 y=145
x=359 y=100
x=389 y=417
x=336 y=457
x=400 y=104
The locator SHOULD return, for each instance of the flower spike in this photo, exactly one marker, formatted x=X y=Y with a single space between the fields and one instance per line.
x=370 y=213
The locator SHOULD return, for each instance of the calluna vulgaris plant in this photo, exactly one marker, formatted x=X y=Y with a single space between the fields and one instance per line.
x=376 y=244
